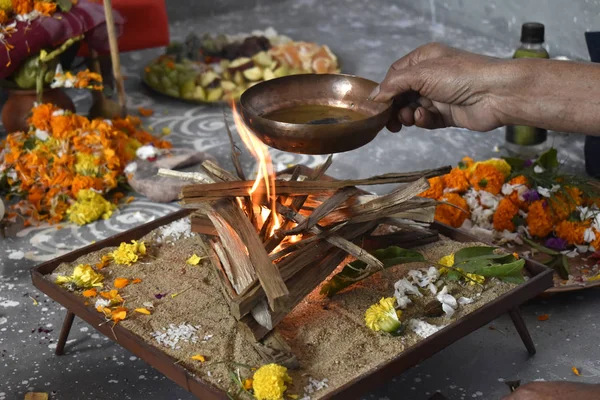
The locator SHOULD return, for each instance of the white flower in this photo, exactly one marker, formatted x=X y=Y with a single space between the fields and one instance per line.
x=589 y=235
x=432 y=288
x=538 y=169
x=58 y=113
x=543 y=191
x=130 y=168
x=507 y=189
x=102 y=303
x=402 y=289
x=146 y=152
x=449 y=303
x=41 y=134
x=465 y=300
x=488 y=200
x=28 y=17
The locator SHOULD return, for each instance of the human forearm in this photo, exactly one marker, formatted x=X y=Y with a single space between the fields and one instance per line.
x=555 y=95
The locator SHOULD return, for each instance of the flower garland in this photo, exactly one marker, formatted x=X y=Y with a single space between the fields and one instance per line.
x=63 y=154
x=512 y=199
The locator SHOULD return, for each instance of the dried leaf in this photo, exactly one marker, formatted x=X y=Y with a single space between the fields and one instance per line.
x=198 y=357
x=120 y=283
x=142 y=311
x=543 y=317
x=136 y=281
x=90 y=293
x=194 y=260
x=575 y=371
x=119 y=315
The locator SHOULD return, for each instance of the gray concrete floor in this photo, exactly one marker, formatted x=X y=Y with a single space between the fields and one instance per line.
x=368 y=36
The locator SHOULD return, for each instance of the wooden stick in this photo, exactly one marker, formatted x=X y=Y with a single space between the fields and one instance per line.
x=114 y=55
x=193 y=194
x=187 y=176
x=270 y=279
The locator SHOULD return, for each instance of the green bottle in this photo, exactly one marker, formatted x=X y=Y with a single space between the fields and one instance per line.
x=527 y=141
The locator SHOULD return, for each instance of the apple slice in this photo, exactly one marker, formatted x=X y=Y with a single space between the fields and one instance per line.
x=199 y=93
x=281 y=71
x=240 y=64
x=262 y=59
x=209 y=79
x=268 y=74
x=214 y=94
x=228 y=86
x=253 y=74
x=238 y=78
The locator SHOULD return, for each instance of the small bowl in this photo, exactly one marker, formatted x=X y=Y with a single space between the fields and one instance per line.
x=342 y=91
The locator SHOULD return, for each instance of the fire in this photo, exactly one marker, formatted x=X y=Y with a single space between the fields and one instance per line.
x=265 y=174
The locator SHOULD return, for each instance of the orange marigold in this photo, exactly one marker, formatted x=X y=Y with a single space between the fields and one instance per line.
x=62 y=127
x=3 y=16
x=22 y=6
x=45 y=8
x=451 y=215
x=572 y=232
x=436 y=188
x=486 y=177
x=466 y=163
x=514 y=196
x=456 y=180
x=41 y=116
x=85 y=182
x=562 y=205
x=539 y=219
x=596 y=242
x=503 y=217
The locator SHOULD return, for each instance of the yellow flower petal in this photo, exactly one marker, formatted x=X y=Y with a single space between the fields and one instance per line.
x=198 y=357
x=383 y=316
x=142 y=311
x=194 y=260
x=120 y=283
x=269 y=382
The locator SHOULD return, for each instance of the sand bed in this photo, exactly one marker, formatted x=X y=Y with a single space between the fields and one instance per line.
x=328 y=336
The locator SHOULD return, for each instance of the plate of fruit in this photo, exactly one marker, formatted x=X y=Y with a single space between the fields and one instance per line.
x=219 y=69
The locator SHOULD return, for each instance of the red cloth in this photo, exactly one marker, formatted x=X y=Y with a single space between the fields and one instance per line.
x=85 y=17
x=146 y=25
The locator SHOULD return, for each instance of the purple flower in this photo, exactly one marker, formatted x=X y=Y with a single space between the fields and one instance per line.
x=556 y=244
x=531 y=195
x=160 y=296
x=528 y=163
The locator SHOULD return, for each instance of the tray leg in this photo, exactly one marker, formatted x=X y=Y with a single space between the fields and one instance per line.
x=64 y=333
x=517 y=319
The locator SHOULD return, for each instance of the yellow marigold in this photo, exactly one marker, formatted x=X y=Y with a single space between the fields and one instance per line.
x=514 y=196
x=3 y=17
x=41 y=116
x=87 y=164
x=451 y=215
x=22 y=6
x=269 y=382
x=456 y=180
x=562 y=205
x=475 y=279
x=436 y=188
x=6 y=5
x=498 y=163
x=539 y=220
x=487 y=177
x=89 y=207
x=45 y=8
x=503 y=217
x=128 y=253
x=382 y=316
x=446 y=261
x=572 y=232
x=83 y=277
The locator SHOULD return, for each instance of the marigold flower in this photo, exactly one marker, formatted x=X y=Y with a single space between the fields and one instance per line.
x=487 y=177
x=539 y=220
x=572 y=232
x=128 y=253
x=562 y=205
x=45 y=8
x=41 y=116
x=87 y=164
x=456 y=180
x=436 y=188
x=83 y=277
x=269 y=382
x=89 y=207
x=519 y=181
x=503 y=217
x=451 y=215
x=3 y=17
x=22 y=6
x=498 y=163
x=382 y=316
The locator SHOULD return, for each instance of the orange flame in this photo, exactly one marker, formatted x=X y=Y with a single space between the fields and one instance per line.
x=265 y=174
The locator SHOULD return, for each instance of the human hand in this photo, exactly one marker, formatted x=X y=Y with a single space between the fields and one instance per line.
x=555 y=391
x=436 y=86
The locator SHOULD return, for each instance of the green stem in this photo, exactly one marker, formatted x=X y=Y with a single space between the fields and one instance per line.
x=45 y=57
x=464 y=275
x=39 y=82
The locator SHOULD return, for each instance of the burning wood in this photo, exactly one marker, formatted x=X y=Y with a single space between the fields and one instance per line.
x=274 y=241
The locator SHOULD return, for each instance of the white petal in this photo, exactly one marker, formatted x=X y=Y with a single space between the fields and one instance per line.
x=465 y=300
x=432 y=288
x=538 y=169
x=543 y=191
x=448 y=310
x=507 y=189
x=589 y=235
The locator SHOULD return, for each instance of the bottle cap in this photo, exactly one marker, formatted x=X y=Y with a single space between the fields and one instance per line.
x=532 y=32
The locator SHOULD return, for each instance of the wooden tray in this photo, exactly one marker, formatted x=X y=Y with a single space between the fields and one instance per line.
x=540 y=279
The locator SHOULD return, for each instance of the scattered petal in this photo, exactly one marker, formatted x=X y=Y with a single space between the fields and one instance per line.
x=142 y=311
x=160 y=295
x=194 y=260
x=543 y=317
x=575 y=371
x=198 y=357
x=248 y=385
x=145 y=112
x=120 y=283
x=93 y=292
x=136 y=281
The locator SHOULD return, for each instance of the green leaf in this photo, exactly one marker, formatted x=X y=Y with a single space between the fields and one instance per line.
x=516 y=164
x=64 y=5
x=540 y=248
x=501 y=270
x=548 y=160
x=560 y=264
x=517 y=279
x=453 y=275
x=475 y=252
x=348 y=276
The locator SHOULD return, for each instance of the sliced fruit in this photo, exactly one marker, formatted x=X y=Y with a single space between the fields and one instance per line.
x=165 y=83
x=224 y=64
x=268 y=74
x=226 y=75
x=199 y=93
x=187 y=89
x=240 y=64
x=274 y=65
x=253 y=74
x=172 y=92
x=262 y=59
x=214 y=94
x=281 y=71
x=228 y=86
x=238 y=78
x=208 y=79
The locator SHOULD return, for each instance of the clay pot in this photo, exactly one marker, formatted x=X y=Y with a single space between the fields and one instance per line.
x=18 y=107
